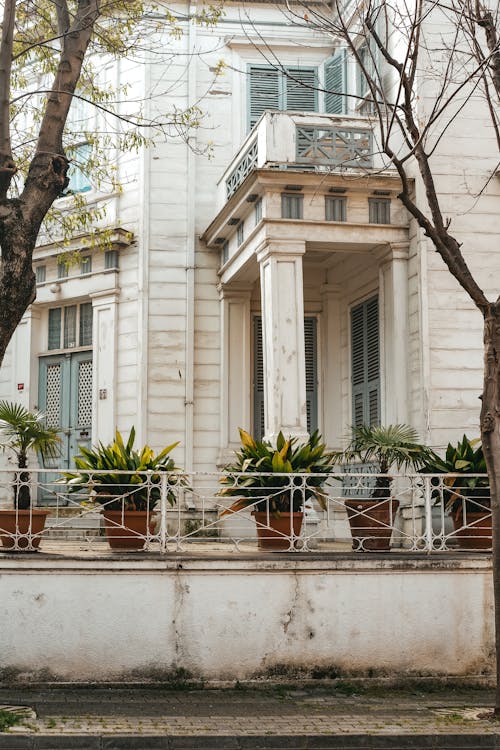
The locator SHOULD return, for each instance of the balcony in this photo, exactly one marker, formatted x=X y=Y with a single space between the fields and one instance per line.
x=307 y=142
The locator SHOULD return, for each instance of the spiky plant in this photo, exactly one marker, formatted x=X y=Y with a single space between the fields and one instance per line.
x=22 y=431
x=260 y=470
x=391 y=446
x=118 y=456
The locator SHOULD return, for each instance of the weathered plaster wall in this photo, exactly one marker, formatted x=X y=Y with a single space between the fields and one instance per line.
x=221 y=619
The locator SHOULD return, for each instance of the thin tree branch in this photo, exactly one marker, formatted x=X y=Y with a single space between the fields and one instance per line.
x=7 y=166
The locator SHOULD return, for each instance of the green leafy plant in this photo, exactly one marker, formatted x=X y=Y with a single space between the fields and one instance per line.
x=259 y=474
x=107 y=483
x=22 y=431
x=389 y=446
x=465 y=458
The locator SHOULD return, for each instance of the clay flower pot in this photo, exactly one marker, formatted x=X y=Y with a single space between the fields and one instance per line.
x=20 y=524
x=128 y=529
x=273 y=532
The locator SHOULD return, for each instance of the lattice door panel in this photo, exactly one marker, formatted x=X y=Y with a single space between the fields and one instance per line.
x=84 y=417
x=53 y=389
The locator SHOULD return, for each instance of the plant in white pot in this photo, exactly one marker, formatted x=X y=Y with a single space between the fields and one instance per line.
x=22 y=432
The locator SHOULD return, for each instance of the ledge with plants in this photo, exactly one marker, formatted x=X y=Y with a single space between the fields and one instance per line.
x=260 y=479
x=22 y=432
x=127 y=484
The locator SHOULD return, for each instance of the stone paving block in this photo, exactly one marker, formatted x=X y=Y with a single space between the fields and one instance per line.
x=204 y=742
x=67 y=742
x=134 y=742
x=13 y=742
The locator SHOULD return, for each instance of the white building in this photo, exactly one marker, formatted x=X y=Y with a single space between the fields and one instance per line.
x=277 y=285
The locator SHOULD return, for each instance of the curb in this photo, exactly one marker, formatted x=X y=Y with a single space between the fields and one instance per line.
x=251 y=742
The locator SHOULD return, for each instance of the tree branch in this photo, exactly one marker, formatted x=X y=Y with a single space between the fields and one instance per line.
x=7 y=166
x=63 y=19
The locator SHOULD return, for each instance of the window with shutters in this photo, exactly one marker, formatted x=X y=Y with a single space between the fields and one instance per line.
x=289 y=89
x=70 y=326
x=335 y=84
x=335 y=209
x=41 y=274
x=311 y=356
x=292 y=206
x=365 y=363
x=86 y=265
x=379 y=210
x=258 y=210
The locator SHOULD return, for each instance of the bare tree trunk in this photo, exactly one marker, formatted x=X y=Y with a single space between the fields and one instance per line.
x=490 y=436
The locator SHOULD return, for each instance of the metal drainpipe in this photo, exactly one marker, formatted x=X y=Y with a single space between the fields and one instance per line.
x=143 y=278
x=190 y=251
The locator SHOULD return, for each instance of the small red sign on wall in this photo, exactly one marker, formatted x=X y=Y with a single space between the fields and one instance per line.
x=20 y=386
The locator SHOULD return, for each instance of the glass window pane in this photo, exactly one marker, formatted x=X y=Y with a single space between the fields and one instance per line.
x=86 y=264
x=40 y=273
x=86 y=324
x=54 y=341
x=69 y=327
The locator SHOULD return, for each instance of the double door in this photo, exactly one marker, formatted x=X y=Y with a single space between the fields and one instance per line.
x=65 y=396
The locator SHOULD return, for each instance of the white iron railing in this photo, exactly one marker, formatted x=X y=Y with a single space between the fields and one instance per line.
x=186 y=512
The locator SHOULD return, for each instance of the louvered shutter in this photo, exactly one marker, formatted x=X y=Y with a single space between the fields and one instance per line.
x=365 y=363
x=310 y=341
x=258 y=380
x=311 y=357
x=264 y=91
x=335 y=84
x=301 y=87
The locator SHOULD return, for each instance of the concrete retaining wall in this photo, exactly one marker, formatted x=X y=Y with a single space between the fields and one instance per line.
x=233 y=618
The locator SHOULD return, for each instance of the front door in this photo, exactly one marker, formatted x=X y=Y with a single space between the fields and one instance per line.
x=65 y=396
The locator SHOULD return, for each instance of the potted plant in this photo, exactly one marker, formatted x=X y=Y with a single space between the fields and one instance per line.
x=260 y=479
x=115 y=476
x=22 y=431
x=392 y=446
x=466 y=498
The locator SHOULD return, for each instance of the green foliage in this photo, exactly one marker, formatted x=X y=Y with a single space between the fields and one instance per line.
x=22 y=430
x=267 y=468
x=389 y=446
x=119 y=456
x=8 y=719
x=465 y=458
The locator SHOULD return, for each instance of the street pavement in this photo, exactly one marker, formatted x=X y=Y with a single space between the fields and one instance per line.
x=336 y=715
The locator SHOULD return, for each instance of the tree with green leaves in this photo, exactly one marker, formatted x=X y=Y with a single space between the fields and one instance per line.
x=50 y=52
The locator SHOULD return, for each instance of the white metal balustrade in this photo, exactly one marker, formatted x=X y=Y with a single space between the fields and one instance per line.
x=424 y=513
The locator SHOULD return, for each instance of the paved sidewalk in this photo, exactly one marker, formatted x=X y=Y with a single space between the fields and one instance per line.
x=340 y=716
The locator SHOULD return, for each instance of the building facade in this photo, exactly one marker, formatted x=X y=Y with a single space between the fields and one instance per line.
x=277 y=285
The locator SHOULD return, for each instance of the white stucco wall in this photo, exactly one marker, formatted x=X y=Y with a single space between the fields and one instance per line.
x=233 y=619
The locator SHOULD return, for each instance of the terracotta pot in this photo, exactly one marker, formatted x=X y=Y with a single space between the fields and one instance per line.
x=274 y=533
x=22 y=522
x=127 y=529
x=478 y=532
x=371 y=523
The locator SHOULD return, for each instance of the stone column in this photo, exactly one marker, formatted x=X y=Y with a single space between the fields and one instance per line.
x=282 y=301
x=394 y=316
x=236 y=376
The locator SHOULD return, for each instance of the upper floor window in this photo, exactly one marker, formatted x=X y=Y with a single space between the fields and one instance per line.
x=335 y=208
x=86 y=264
x=78 y=179
x=336 y=84
x=70 y=326
x=292 y=206
x=287 y=89
x=41 y=274
x=379 y=210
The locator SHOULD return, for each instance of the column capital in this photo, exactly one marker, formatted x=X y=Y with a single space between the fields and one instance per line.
x=392 y=251
x=330 y=290
x=287 y=248
x=234 y=290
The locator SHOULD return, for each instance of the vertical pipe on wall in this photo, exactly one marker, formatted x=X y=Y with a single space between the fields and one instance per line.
x=141 y=422
x=190 y=249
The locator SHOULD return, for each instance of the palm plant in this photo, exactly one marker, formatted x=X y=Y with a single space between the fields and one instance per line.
x=22 y=431
x=260 y=470
x=390 y=446
x=103 y=467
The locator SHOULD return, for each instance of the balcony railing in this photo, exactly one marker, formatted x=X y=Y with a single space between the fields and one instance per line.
x=287 y=140
x=424 y=513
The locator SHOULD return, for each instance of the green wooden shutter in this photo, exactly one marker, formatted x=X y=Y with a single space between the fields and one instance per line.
x=311 y=356
x=301 y=89
x=258 y=379
x=264 y=91
x=311 y=350
x=365 y=363
x=335 y=84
